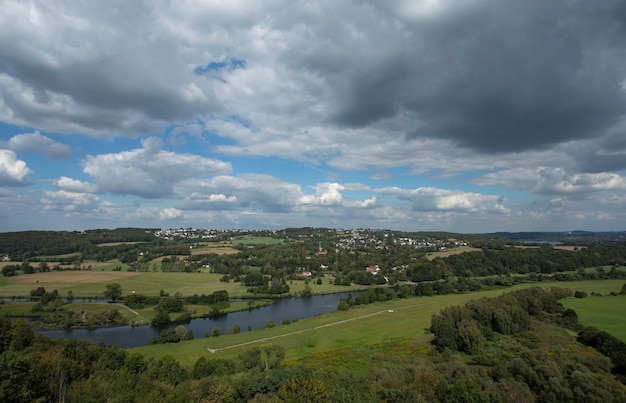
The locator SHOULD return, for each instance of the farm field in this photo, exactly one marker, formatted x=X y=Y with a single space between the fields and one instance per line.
x=598 y=286
x=451 y=251
x=361 y=325
x=603 y=312
x=86 y=265
x=93 y=283
x=219 y=248
x=256 y=240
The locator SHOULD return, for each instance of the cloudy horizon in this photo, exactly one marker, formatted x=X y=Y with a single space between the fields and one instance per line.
x=420 y=115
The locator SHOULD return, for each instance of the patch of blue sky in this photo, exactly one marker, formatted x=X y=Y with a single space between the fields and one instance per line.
x=7 y=130
x=216 y=69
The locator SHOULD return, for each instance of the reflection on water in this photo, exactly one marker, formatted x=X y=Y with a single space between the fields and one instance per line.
x=285 y=309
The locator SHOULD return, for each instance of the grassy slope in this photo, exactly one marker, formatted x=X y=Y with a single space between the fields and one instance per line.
x=360 y=326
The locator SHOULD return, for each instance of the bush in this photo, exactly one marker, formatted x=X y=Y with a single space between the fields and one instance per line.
x=37 y=292
x=580 y=294
x=161 y=319
x=171 y=304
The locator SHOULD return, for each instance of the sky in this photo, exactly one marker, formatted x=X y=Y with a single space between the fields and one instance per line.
x=467 y=116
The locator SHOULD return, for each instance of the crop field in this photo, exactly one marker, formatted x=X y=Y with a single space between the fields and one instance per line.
x=452 y=251
x=118 y=243
x=256 y=240
x=219 y=248
x=397 y=320
x=93 y=283
x=87 y=265
x=81 y=283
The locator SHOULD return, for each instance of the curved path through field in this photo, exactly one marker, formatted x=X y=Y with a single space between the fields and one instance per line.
x=215 y=350
x=133 y=311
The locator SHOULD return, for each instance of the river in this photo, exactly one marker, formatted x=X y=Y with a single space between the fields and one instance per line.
x=284 y=309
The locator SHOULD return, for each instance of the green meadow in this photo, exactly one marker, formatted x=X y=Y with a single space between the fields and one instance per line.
x=256 y=240
x=397 y=320
x=604 y=312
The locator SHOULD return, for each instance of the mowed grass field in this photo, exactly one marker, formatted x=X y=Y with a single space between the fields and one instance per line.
x=604 y=312
x=93 y=283
x=219 y=248
x=397 y=320
x=256 y=240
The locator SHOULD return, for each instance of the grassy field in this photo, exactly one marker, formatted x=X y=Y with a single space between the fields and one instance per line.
x=135 y=316
x=256 y=240
x=100 y=245
x=86 y=265
x=598 y=286
x=93 y=283
x=219 y=248
x=451 y=251
x=363 y=325
x=606 y=313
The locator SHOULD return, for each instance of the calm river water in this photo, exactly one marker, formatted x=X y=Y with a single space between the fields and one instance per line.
x=283 y=309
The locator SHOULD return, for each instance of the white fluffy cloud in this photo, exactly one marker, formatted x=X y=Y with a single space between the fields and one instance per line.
x=328 y=194
x=433 y=199
x=170 y=213
x=13 y=171
x=36 y=143
x=73 y=185
x=553 y=181
x=70 y=202
x=247 y=191
x=149 y=171
x=557 y=181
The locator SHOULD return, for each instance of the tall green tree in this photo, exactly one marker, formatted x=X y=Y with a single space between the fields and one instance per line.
x=113 y=291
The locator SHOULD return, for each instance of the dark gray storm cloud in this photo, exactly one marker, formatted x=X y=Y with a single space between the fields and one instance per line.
x=499 y=76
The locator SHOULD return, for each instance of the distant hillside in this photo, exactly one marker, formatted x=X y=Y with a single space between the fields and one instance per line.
x=570 y=237
x=26 y=244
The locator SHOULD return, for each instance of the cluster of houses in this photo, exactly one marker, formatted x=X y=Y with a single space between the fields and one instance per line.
x=200 y=233
x=375 y=239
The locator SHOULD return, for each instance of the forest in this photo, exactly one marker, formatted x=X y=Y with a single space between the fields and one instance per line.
x=515 y=347
x=521 y=346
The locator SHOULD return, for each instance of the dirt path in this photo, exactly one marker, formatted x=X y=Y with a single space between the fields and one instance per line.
x=133 y=311
x=214 y=350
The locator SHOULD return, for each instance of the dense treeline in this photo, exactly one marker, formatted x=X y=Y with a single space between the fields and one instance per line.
x=25 y=245
x=500 y=334
x=569 y=237
x=544 y=260
x=407 y=264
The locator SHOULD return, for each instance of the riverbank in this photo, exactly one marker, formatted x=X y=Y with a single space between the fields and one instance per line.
x=281 y=311
x=78 y=315
x=402 y=320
